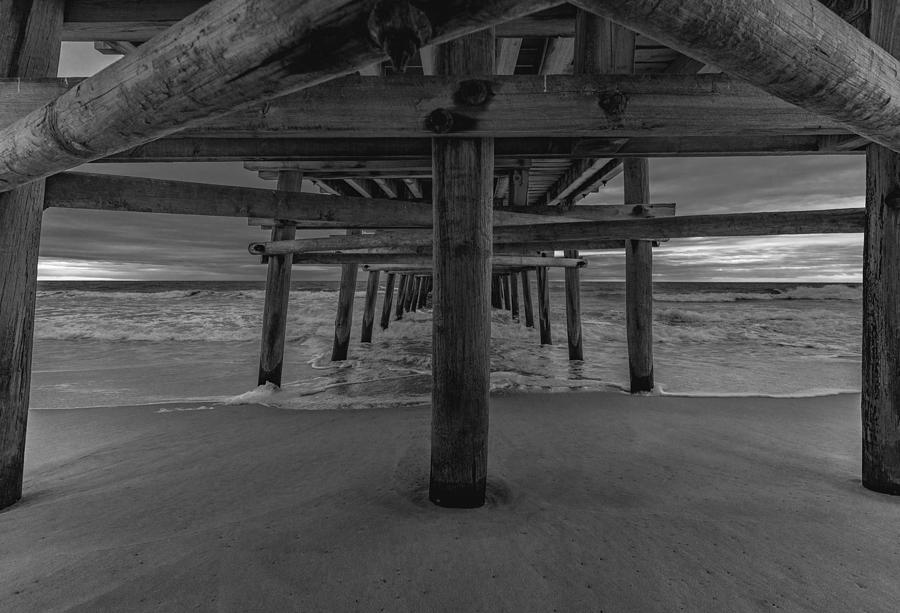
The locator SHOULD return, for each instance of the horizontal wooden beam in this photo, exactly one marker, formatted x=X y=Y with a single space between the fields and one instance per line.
x=412 y=260
x=138 y=194
x=401 y=106
x=584 y=234
x=272 y=48
x=193 y=149
x=141 y=20
x=794 y=49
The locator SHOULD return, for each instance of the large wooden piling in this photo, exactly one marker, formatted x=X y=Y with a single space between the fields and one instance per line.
x=368 y=320
x=463 y=172
x=402 y=288
x=343 y=321
x=423 y=291
x=639 y=284
x=29 y=49
x=543 y=285
x=388 y=301
x=526 y=300
x=881 y=288
x=514 y=295
x=573 y=309
x=278 y=291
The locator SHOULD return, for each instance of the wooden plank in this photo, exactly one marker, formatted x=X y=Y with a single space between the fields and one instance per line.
x=414 y=296
x=558 y=56
x=141 y=20
x=343 y=320
x=461 y=332
x=639 y=285
x=881 y=288
x=507 y=55
x=369 y=309
x=271 y=48
x=388 y=301
x=29 y=48
x=521 y=106
x=419 y=261
x=813 y=59
x=278 y=291
x=194 y=149
x=543 y=284
x=526 y=300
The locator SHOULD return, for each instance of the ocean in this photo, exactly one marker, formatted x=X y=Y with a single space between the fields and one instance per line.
x=124 y=343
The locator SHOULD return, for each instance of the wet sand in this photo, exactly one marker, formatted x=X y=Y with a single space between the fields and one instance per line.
x=598 y=501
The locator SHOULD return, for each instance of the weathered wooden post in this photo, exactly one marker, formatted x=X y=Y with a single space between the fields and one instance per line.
x=368 y=320
x=496 y=300
x=388 y=300
x=343 y=321
x=30 y=49
x=414 y=295
x=278 y=291
x=401 y=295
x=881 y=295
x=639 y=284
x=526 y=300
x=543 y=286
x=423 y=295
x=514 y=294
x=463 y=172
x=573 y=309
x=410 y=292
x=504 y=284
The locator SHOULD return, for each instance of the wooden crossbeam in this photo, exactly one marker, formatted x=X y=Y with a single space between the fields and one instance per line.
x=583 y=234
x=615 y=106
x=813 y=58
x=412 y=260
x=141 y=20
x=138 y=194
x=272 y=48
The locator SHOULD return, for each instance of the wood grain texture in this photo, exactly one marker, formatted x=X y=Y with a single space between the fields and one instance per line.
x=811 y=58
x=462 y=200
x=388 y=300
x=639 y=285
x=543 y=287
x=225 y=56
x=278 y=291
x=29 y=48
x=368 y=320
x=881 y=297
x=526 y=300
x=343 y=321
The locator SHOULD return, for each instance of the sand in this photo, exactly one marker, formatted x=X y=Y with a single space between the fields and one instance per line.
x=598 y=502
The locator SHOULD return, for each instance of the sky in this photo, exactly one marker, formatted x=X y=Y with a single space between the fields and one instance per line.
x=108 y=245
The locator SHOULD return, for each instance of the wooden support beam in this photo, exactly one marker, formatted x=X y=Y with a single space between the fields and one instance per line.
x=29 y=48
x=388 y=187
x=461 y=365
x=881 y=288
x=543 y=285
x=507 y=55
x=114 y=47
x=414 y=188
x=410 y=292
x=573 y=309
x=360 y=187
x=526 y=300
x=141 y=20
x=588 y=234
x=414 y=296
x=272 y=48
x=388 y=301
x=412 y=260
x=504 y=284
x=639 y=285
x=514 y=295
x=278 y=291
x=369 y=310
x=521 y=106
x=496 y=299
x=813 y=59
x=343 y=321
x=423 y=293
x=401 y=295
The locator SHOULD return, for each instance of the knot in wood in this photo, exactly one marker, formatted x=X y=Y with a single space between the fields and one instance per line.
x=473 y=92
x=400 y=29
x=439 y=121
x=613 y=103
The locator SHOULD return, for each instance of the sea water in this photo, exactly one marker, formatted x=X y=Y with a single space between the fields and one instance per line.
x=119 y=343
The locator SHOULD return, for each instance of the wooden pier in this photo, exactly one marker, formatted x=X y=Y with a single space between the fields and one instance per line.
x=445 y=148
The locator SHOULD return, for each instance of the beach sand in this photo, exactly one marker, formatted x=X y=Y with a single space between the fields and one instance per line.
x=598 y=502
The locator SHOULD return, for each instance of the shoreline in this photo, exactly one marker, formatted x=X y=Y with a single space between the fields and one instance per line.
x=596 y=501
